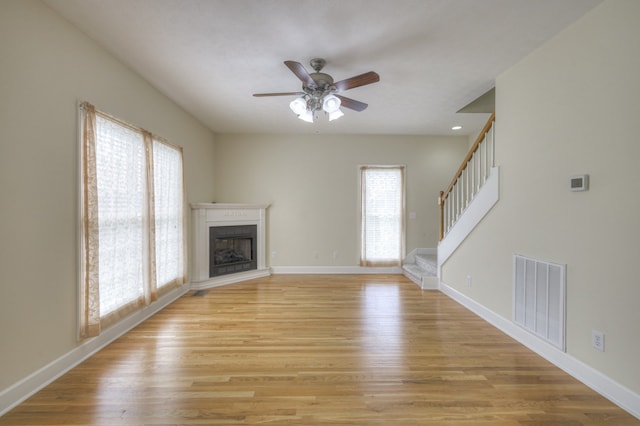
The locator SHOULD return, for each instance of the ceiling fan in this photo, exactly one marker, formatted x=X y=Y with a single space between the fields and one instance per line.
x=320 y=92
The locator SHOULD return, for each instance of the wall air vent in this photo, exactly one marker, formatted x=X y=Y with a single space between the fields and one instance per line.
x=539 y=298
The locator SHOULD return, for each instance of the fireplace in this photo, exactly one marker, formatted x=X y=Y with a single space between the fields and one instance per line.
x=229 y=243
x=232 y=249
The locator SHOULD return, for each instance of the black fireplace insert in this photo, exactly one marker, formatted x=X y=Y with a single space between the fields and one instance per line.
x=232 y=249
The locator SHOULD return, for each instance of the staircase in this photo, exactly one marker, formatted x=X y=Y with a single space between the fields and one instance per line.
x=421 y=267
x=473 y=191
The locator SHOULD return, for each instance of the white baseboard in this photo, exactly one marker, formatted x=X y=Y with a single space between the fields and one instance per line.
x=23 y=389
x=335 y=270
x=605 y=386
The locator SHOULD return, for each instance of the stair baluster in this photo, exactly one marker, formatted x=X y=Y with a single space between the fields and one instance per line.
x=472 y=174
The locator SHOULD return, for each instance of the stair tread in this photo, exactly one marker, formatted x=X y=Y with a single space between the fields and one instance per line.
x=418 y=270
x=427 y=262
x=428 y=258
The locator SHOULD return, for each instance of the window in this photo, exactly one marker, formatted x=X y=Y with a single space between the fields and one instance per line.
x=382 y=215
x=133 y=244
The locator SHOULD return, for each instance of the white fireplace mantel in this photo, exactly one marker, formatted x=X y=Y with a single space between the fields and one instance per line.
x=206 y=215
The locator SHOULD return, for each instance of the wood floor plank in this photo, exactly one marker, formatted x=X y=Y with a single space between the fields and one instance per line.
x=316 y=349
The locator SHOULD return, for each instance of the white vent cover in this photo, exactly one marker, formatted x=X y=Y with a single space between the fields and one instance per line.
x=539 y=298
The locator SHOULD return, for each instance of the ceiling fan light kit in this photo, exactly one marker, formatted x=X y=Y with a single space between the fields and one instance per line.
x=298 y=105
x=335 y=115
x=331 y=103
x=319 y=91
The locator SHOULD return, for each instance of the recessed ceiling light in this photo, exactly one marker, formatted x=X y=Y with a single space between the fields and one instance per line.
x=456 y=128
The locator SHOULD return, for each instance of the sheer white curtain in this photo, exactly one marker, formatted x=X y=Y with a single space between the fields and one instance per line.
x=133 y=242
x=121 y=175
x=382 y=215
x=169 y=214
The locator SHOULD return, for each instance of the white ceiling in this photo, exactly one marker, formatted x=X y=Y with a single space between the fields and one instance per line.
x=433 y=56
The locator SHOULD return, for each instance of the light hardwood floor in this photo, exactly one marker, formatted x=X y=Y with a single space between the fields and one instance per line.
x=316 y=349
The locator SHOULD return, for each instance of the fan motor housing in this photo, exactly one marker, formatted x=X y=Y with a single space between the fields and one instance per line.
x=323 y=82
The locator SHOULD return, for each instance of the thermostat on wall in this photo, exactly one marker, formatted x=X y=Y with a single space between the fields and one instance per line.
x=579 y=183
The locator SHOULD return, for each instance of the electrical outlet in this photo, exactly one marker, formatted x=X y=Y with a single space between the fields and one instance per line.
x=274 y=254
x=597 y=340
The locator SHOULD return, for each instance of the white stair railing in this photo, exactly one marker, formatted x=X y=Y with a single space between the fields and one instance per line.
x=470 y=177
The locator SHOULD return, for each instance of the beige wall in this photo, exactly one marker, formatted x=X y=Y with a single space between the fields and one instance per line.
x=311 y=182
x=47 y=66
x=570 y=108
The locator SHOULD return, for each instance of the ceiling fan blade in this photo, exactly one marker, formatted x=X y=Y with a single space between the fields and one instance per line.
x=357 y=81
x=279 y=94
x=352 y=103
x=301 y=73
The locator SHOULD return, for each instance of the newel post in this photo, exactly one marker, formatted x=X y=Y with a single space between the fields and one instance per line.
x=441 y=204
